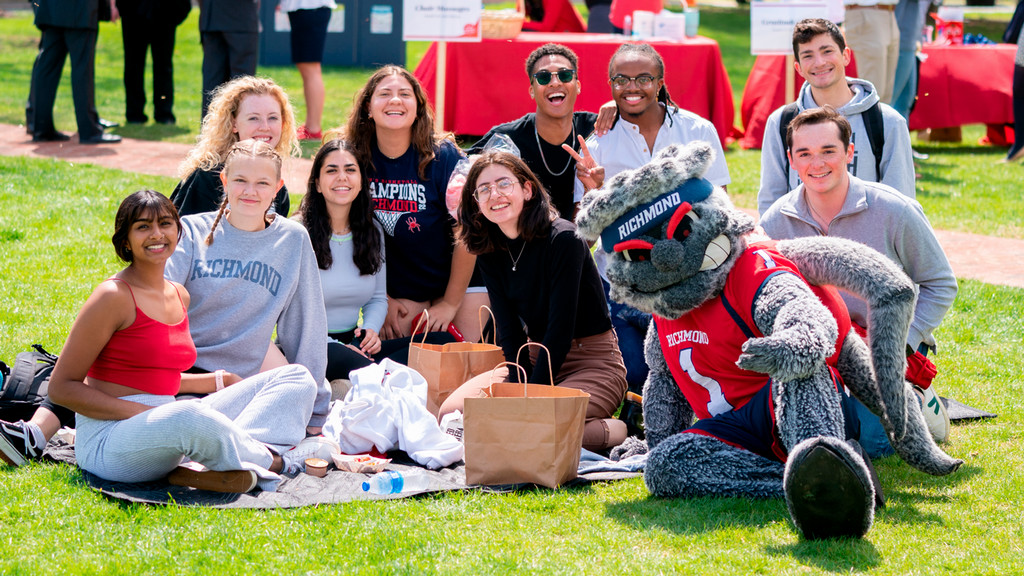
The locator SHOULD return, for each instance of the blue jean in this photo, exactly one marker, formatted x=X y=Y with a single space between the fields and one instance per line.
x=873 y=438
x=905 y=88
x=630 y=326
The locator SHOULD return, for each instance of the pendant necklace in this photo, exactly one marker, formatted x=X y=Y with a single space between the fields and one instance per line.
x=515 y=261
x=540 y=149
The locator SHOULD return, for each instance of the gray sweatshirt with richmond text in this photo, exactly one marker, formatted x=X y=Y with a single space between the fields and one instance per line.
x=897 y=165
x=245 y=284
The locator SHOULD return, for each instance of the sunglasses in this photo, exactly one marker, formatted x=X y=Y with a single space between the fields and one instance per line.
x=565 y=75
x=643 y=81
x=636 y=250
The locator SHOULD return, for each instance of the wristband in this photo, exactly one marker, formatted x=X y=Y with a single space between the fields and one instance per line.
x=219 y=378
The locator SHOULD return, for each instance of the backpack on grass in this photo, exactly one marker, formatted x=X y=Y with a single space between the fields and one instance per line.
x=25 y=384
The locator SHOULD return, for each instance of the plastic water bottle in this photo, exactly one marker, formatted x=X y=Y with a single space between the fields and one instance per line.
x=391 y=482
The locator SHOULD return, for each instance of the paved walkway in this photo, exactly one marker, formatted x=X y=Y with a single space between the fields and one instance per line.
x=986 y=258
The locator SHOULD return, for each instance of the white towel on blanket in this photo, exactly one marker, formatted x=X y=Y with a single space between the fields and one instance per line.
x=387 y=408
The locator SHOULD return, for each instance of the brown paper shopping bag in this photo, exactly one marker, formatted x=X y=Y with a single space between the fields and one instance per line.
x=524 y=433
x=447 y=366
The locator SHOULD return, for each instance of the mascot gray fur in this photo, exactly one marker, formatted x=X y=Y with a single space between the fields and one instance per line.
x=828 y=482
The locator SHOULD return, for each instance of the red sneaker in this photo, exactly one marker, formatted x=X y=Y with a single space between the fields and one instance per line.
x=305 y=134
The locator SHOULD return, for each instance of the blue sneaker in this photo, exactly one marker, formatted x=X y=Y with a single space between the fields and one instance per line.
x=16 y=447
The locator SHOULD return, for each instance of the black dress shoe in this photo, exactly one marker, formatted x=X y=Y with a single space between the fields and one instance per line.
x=168 y=121
x=51 y=137
x=101 y=139
x=107 y=124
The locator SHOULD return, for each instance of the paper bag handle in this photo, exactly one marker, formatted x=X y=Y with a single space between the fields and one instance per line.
x=519 y=368
x=494 y=322
x=423 y=319
x=544 y=348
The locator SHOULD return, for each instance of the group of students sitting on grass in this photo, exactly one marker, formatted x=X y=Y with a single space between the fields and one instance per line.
x=172 y=359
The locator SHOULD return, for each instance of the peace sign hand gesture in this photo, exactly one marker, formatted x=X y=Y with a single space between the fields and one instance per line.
x=587 y=170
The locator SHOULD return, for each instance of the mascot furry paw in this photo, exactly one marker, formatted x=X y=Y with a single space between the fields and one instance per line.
x=750 y=337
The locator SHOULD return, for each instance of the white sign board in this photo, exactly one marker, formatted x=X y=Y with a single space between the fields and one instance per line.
x=441 y=20
x=771 y=24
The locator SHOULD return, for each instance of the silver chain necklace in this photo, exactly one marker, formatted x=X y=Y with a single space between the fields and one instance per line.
x=515 y=261
x=540 y=149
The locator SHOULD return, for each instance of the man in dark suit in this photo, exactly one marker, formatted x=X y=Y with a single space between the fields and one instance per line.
x=150 y=26
x=229 y=30
x=67 y=26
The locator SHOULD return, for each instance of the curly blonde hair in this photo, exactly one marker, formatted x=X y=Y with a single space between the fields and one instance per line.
x=217 y=135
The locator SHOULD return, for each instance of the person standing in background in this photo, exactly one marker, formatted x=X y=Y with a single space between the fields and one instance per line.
x=68 y=26
x=309 y=19
x=1017 y=150
x=871 y=31
x=230 y=33
x=910 y=16
x=150 y=25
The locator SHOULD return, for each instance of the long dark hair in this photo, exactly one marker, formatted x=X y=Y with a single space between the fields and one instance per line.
x=479 y=234
x=367 y=248
x=361 y=130
x=135 y=206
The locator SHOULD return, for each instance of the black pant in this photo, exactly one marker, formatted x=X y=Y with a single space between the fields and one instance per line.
x=341 y=359
x=54 y=47
x=1018 y=110
x=227 y=55
x=139 y=35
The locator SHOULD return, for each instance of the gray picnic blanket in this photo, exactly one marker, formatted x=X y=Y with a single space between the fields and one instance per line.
x=304 y=490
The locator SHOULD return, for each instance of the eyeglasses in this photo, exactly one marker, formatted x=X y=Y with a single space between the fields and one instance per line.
x=642 y=81
x=565 y=75
x=503 y=186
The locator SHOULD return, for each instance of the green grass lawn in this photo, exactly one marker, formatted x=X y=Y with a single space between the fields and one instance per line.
x=55 y=222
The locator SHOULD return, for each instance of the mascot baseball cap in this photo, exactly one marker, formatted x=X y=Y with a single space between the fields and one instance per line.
x=646 y=216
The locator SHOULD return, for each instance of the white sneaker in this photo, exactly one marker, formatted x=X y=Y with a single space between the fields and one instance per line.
x=934 y=413
x=312 y=447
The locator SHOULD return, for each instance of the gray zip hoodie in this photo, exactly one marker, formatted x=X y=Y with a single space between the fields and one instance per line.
x=897 y=160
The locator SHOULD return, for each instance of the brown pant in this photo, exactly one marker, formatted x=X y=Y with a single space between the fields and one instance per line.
x=594 y=365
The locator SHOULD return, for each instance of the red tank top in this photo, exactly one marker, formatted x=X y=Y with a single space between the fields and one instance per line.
x=148 y=355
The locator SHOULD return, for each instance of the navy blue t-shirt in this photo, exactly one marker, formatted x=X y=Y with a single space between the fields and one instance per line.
x=418 y=236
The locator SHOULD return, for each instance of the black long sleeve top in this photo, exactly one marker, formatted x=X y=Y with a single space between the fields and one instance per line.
x=553 y=296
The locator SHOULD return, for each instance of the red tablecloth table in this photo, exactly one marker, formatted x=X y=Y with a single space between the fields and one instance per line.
x=965 y=85
x=487 y=85
x=958 y=85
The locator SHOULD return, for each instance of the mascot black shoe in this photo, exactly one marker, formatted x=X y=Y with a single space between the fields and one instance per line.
x=828 y=489
x=751 y=352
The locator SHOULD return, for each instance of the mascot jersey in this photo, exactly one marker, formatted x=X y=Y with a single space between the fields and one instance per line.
x=418 y=236
x=701 y=347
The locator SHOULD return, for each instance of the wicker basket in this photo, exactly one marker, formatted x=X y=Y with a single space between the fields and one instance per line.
x=501 y=24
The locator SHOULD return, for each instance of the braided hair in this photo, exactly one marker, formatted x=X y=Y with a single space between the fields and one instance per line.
x=647 y=51
x=244 y=149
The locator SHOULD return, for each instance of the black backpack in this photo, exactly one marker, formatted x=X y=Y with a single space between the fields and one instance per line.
x=872 y=124
x=25 y=384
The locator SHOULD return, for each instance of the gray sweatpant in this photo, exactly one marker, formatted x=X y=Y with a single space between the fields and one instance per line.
x=238 y=428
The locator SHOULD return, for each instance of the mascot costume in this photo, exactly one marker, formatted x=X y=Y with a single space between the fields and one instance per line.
x=749 y=336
